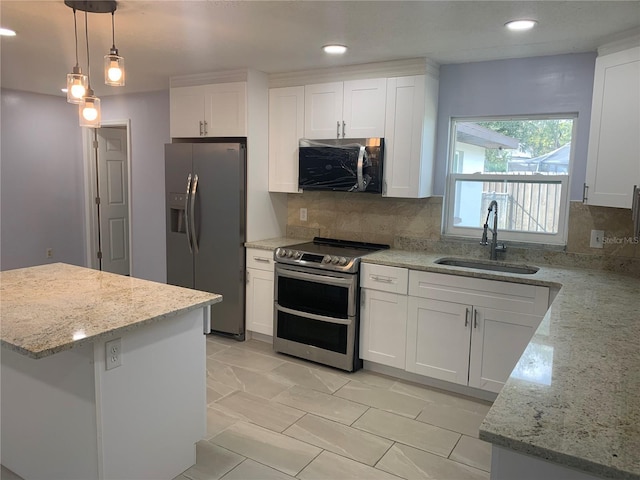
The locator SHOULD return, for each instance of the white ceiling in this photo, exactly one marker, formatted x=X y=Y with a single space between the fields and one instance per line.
x=163 y=38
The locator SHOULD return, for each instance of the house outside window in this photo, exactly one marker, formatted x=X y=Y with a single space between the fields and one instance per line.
x=521 y=163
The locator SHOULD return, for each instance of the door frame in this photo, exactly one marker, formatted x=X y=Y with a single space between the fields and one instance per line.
x=91 y=217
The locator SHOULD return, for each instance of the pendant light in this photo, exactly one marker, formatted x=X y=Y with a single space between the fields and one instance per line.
x=89 y=110
x=77 y=82
x=113 y=63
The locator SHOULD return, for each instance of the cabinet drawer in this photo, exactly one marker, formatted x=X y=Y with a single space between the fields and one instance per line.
x=384 y=278
x=260 y=259
x=513 y=297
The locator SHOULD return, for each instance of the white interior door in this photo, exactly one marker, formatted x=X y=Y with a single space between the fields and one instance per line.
x=114 y=199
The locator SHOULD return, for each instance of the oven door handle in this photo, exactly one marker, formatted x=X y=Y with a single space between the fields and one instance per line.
x=313 y=316
x=316 y=278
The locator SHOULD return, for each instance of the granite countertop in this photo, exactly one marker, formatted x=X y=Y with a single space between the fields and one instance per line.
x=574 y=396
x=273 y=243
x=50 y=308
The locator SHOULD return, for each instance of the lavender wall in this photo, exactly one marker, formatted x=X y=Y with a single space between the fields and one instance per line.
x=149 y=115
x=538 y=85
x=41 y=181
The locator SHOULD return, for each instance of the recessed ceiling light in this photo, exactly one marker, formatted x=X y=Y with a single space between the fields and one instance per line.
x=5 y=32
x=334 y=49
x=520 y=25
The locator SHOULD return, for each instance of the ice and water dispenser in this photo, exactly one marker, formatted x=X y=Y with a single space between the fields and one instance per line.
x=178 y=216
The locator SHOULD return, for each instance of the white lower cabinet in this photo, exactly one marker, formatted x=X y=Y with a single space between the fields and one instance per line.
x=259 y=291
x=437 y=339
x=454 y=334
x=462 y=330
x=383 y=314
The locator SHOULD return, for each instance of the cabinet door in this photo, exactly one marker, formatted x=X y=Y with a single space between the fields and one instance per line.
x=613 y=162
x=438 y=336
x=403 y=136
x=323 y=110
x=410 y=128
x=286 y=128
x=383 y=327
x=225 y=110
x=260 y=301
x=186 y=112
x=364 y=108
x=498 y=339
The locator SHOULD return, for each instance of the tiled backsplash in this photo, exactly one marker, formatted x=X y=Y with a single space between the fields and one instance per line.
x=414 y=224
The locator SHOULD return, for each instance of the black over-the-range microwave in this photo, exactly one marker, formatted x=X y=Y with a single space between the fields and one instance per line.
x=345 y=165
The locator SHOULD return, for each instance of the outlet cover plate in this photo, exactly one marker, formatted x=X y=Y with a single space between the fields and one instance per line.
x=113 y=353
x=597 y=239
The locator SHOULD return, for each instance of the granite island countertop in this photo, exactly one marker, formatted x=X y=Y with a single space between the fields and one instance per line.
x=579 y=405
x=51 y=308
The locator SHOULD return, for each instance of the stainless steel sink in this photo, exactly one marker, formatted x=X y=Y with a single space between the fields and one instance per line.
x=486 y=265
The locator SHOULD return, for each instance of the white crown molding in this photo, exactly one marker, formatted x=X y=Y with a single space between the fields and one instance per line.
x=396 y=68
x=621 y=41
x=208 y=78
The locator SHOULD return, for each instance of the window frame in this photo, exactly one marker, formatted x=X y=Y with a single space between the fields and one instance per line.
x=449 y=230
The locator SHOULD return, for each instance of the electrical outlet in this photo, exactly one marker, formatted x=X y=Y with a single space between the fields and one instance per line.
x=597 y=239
x=303 y=214
x=49 y=252
x=113 y=353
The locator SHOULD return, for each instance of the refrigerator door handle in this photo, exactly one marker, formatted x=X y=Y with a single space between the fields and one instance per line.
x=186 y=214
x=194 y=191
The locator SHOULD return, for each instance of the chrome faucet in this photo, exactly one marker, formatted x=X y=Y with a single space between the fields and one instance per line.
x=495 y=248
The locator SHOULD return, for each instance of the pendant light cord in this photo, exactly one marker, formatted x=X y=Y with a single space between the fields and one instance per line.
x=86 y=33
x=113 y=31
x=75 y=30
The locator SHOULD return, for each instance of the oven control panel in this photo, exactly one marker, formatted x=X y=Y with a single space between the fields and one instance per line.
x=330 y=262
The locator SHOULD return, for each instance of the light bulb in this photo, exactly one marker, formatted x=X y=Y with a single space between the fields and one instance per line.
x=78 y=90
x=114 y=73
x=89 y=112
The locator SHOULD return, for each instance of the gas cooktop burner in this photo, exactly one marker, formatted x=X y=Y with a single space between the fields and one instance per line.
x=327 y=253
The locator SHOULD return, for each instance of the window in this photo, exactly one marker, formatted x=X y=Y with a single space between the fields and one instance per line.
x=521 y=163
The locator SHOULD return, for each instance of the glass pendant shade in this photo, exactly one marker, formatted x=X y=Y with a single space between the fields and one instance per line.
x=114 y=69
x=90 y=114
x=77 y=84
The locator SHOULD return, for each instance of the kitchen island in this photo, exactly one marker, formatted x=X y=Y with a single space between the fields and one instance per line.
x=103 y=376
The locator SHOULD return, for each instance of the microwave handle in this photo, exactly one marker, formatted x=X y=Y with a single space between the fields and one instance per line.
x=361 y=185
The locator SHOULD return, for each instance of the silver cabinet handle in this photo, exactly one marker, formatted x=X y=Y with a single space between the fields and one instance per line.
x=377 y=278
x=475 y=318
x=338 y=129
x=635 y=211
x=343 y=127
x=194 y=191
x=247 y=279
x=362 y=302
x=201 y=128
x=466 y=317
x=206 y=132
x=186 y=214
x=585 y=189
x=262 y=259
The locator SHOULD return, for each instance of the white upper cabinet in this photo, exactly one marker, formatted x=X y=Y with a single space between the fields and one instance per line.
x=216 y=110
x=613 y=162
x=410 y=128
x=286 y=128
x=351 y=109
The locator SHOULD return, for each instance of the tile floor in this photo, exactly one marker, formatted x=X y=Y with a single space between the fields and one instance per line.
x=271 y=416
x=275 y=417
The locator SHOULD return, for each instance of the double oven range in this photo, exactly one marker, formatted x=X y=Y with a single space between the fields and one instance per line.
x=317 y=300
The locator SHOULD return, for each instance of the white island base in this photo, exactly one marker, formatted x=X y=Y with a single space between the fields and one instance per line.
x=65 y=416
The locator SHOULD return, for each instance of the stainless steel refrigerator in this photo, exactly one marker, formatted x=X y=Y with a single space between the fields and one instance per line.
x=206 y=197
